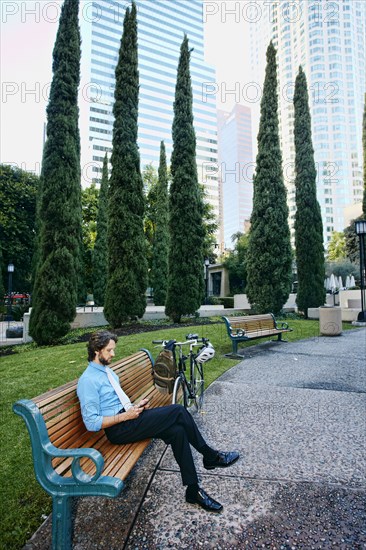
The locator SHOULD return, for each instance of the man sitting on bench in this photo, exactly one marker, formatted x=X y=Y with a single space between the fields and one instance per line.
x=101 y=399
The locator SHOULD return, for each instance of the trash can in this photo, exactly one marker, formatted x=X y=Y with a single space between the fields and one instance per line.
x=330 y=321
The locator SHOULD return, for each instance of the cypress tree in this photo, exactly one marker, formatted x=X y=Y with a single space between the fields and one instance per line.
x=269 y=252
x=127 y=267
x=185 y=279
x=59 y=255
x=159 y=275
x=308 y=219
x=100 y=252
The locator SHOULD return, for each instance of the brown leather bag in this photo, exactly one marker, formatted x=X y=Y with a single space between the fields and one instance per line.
x=165 y=370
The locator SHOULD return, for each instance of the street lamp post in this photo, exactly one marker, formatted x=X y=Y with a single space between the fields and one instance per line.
x=360 y=229
x=207 y=263
x=10 y=275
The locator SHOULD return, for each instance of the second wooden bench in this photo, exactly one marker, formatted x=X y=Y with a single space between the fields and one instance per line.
x=251 y=327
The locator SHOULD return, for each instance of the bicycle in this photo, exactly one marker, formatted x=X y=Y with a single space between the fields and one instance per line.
x=188 y=392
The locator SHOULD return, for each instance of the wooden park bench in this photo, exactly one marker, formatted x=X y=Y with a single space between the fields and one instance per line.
x=251 y=327
x=70 y=461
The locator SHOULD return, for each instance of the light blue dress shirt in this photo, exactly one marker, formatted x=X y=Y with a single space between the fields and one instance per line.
x=97 y=396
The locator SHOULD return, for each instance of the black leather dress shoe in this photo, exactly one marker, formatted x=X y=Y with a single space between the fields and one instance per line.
x=205 y=501
x=222 y=460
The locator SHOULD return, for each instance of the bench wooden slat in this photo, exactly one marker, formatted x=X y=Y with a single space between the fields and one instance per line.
x=118 y=467
x=126 y=466
x=54 y=395
x=60 y=410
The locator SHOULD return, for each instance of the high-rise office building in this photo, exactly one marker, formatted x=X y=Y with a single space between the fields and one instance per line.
x=161 y=28
x=328 y=39
x=236 y=170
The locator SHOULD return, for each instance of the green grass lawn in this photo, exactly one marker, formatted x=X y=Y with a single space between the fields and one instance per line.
x=24 y=504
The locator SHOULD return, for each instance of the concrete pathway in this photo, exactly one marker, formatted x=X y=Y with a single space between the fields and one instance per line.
x=296 y=412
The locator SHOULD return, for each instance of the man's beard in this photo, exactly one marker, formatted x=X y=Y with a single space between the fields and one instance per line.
x=104 y=361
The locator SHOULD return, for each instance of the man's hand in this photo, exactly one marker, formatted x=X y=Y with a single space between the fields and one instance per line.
x=144 y=403
x=132 y=413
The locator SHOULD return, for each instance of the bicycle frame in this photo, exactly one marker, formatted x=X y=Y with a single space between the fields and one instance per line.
x=188 y=390
x=189 y=383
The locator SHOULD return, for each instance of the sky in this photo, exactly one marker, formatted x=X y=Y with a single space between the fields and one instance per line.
x=27 y=35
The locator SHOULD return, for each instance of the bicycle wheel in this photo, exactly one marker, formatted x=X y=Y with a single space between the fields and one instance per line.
x=197 y=386
x=179 y=392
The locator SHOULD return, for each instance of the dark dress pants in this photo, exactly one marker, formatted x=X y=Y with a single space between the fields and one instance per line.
x=174 y=425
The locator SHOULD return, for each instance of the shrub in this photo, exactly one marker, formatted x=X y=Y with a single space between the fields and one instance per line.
x=213 y=301
x=227 y=302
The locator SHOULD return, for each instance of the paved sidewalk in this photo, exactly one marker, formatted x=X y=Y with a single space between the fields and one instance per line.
x=296 y=412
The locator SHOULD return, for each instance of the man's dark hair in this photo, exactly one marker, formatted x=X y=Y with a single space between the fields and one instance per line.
x=98 y=341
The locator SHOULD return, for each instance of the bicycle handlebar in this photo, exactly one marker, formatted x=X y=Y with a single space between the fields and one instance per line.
x=193 y=340
x=163 y=342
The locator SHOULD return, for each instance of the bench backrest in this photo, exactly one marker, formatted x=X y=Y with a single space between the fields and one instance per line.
x=60 y=407
x=251 y=323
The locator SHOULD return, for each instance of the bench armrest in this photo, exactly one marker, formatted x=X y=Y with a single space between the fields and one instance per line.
x=282 y=325
x=44 y=450
x=77 y=454
x=237 y=332
x=233 y=332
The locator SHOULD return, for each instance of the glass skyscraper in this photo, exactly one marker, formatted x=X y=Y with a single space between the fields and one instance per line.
x=236 y=170
x=161 y=28
x=328 y=39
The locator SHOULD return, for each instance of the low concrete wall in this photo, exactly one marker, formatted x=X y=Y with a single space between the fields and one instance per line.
x=94 y=317
x=349 y=301
x=313 y=313
x=348 y=314
x=353 y=295
x=241 y=302
x=158 y=312
x=85 y=317
x=89 y=318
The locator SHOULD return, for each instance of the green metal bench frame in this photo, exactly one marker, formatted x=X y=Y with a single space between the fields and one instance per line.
x=252 y=327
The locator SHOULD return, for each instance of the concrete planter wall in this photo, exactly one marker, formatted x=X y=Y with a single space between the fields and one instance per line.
x=83 y=319
x=94 y=317
x=350 y=298
x=241 y=302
